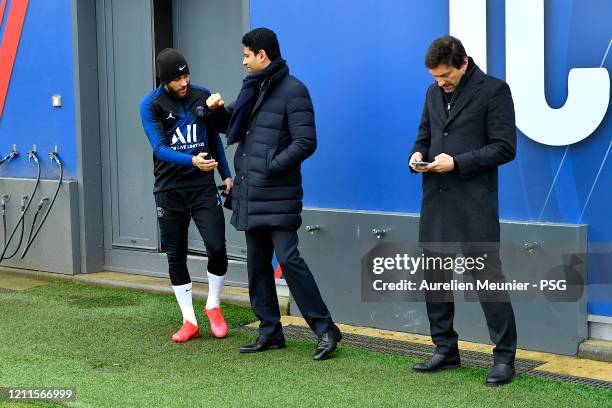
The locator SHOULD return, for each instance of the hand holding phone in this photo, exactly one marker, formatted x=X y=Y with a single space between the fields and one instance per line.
x=227 y=203
x=417 y=164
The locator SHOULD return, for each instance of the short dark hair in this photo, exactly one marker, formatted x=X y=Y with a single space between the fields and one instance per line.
x=262 y=39
x=446 y=50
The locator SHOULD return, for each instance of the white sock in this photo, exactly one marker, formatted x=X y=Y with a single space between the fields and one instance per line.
x=215 y=287
x=183 y=297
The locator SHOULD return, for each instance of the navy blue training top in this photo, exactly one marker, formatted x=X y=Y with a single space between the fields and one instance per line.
x=177 y=130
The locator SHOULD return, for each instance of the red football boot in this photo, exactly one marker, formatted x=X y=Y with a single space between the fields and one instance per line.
x=217 y=322
x=187 y=332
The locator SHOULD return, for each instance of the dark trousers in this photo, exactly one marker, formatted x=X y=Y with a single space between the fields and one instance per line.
x=261 y=244
x=497 y=309
x=175 y=209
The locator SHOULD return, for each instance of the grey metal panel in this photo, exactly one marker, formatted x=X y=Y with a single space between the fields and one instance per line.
x=126 y=56
x=560 y=326
x=103 y=93
x=155 y=264
x=334 y=255
x=209 y=34
x=89 y=173
x=57 y=246
x=600 y=331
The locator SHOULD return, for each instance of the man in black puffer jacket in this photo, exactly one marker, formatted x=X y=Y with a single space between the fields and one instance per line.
x=273 y=123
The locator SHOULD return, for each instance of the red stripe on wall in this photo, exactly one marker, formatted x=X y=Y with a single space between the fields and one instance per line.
x=278 y=273
x=2 y=6
x=10 y=42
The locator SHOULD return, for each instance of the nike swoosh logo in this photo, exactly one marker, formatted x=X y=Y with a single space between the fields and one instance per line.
x=182 y=68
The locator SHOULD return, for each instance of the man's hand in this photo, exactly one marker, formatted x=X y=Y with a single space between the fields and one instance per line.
x=228 y=185
x=419 y=168
x=214 y=101
x=203 y=164
x=443 y=163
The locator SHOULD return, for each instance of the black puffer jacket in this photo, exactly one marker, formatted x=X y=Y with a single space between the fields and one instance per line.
x=281 y=135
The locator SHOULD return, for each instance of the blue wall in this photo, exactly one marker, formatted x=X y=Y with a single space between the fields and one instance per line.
x=43 y=67
x=363 y=63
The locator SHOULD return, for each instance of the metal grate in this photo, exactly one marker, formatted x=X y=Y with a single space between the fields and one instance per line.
x=409 y=349
x=570 y=379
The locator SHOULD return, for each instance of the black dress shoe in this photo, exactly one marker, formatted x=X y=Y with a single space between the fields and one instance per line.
x=264 y=343
x=327 y=344
x=500 y=374
x=438 y=362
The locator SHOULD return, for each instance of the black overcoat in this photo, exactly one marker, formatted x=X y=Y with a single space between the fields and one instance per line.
x=480 y=134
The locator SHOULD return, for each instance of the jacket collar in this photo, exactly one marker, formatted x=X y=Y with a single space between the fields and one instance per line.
x=269 y=83
x=468 y=87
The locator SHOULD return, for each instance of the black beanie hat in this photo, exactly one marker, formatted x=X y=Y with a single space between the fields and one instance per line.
x=170 y=65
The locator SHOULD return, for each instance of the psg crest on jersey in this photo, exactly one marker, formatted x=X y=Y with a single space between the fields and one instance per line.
x=200 y=111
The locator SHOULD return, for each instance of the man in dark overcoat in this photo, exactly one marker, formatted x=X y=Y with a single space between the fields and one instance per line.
x=272 y=120
x=467 y=131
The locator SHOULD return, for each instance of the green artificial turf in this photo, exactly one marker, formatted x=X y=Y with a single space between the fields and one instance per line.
x=113 y=347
